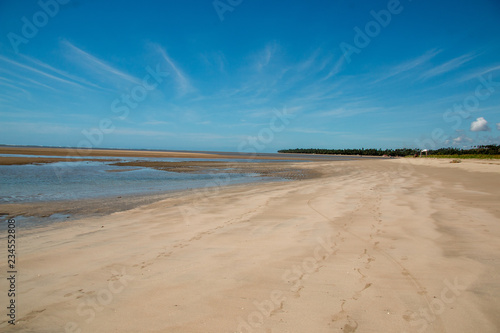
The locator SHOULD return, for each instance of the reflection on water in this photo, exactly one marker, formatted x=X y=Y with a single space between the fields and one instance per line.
x=91 y=179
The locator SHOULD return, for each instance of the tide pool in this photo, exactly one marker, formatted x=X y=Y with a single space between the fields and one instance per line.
x=92 y=179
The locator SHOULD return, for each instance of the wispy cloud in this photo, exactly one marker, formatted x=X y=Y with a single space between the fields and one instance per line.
x=409 y=65
x=157 y=122
x=61 y=72
x=26 y=82
x=137 y=132
x=309 y=62
x=447 y=66
x=32 y=70
x=41 y=127
x=337 y=67
x=13 y=86
x=312 y=131
x=215 y=60
x=346 y=111
x=264 y=57
x=210 y=136
x=183 y=83
x=186 y=136
x=23 y=113
x=96 y=65
x=480 y=72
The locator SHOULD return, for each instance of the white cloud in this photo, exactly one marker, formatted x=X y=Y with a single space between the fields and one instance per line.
x=479 y=125
x=498 y=126
x=462 y=139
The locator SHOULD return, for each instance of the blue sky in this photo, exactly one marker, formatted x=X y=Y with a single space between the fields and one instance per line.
x=250 y=75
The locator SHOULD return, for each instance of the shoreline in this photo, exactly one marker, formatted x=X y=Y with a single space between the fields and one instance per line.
x=103 y=206
x=88 y=153
x=220 y=171
x=370 y=245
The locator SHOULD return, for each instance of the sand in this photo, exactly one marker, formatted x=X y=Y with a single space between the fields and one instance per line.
x=85 y=153
x=14 y=160
x=370 y=246
x=100 y=152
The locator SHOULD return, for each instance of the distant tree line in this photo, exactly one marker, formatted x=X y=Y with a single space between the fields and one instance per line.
x=478 y=150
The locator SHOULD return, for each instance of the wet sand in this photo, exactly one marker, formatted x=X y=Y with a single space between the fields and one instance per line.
x=403 y=245
x=49 y=151
x=136 y=153
x=285 y=170
x=15 y=160
x=101 y=206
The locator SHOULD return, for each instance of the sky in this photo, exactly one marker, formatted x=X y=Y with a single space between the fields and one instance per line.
x=250 y=76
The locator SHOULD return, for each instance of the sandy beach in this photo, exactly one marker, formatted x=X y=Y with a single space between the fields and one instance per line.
x=399 y=245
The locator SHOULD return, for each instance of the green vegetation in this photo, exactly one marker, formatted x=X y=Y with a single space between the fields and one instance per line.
x=363 y=152
x=488 y=151
x=482 y=156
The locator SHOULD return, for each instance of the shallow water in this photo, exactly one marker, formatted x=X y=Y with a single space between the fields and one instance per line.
x=157 y=159
x=92 y=179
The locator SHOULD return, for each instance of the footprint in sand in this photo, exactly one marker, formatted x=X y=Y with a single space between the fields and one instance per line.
x=357 y=295
x=351 y=327
x=31 y=315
